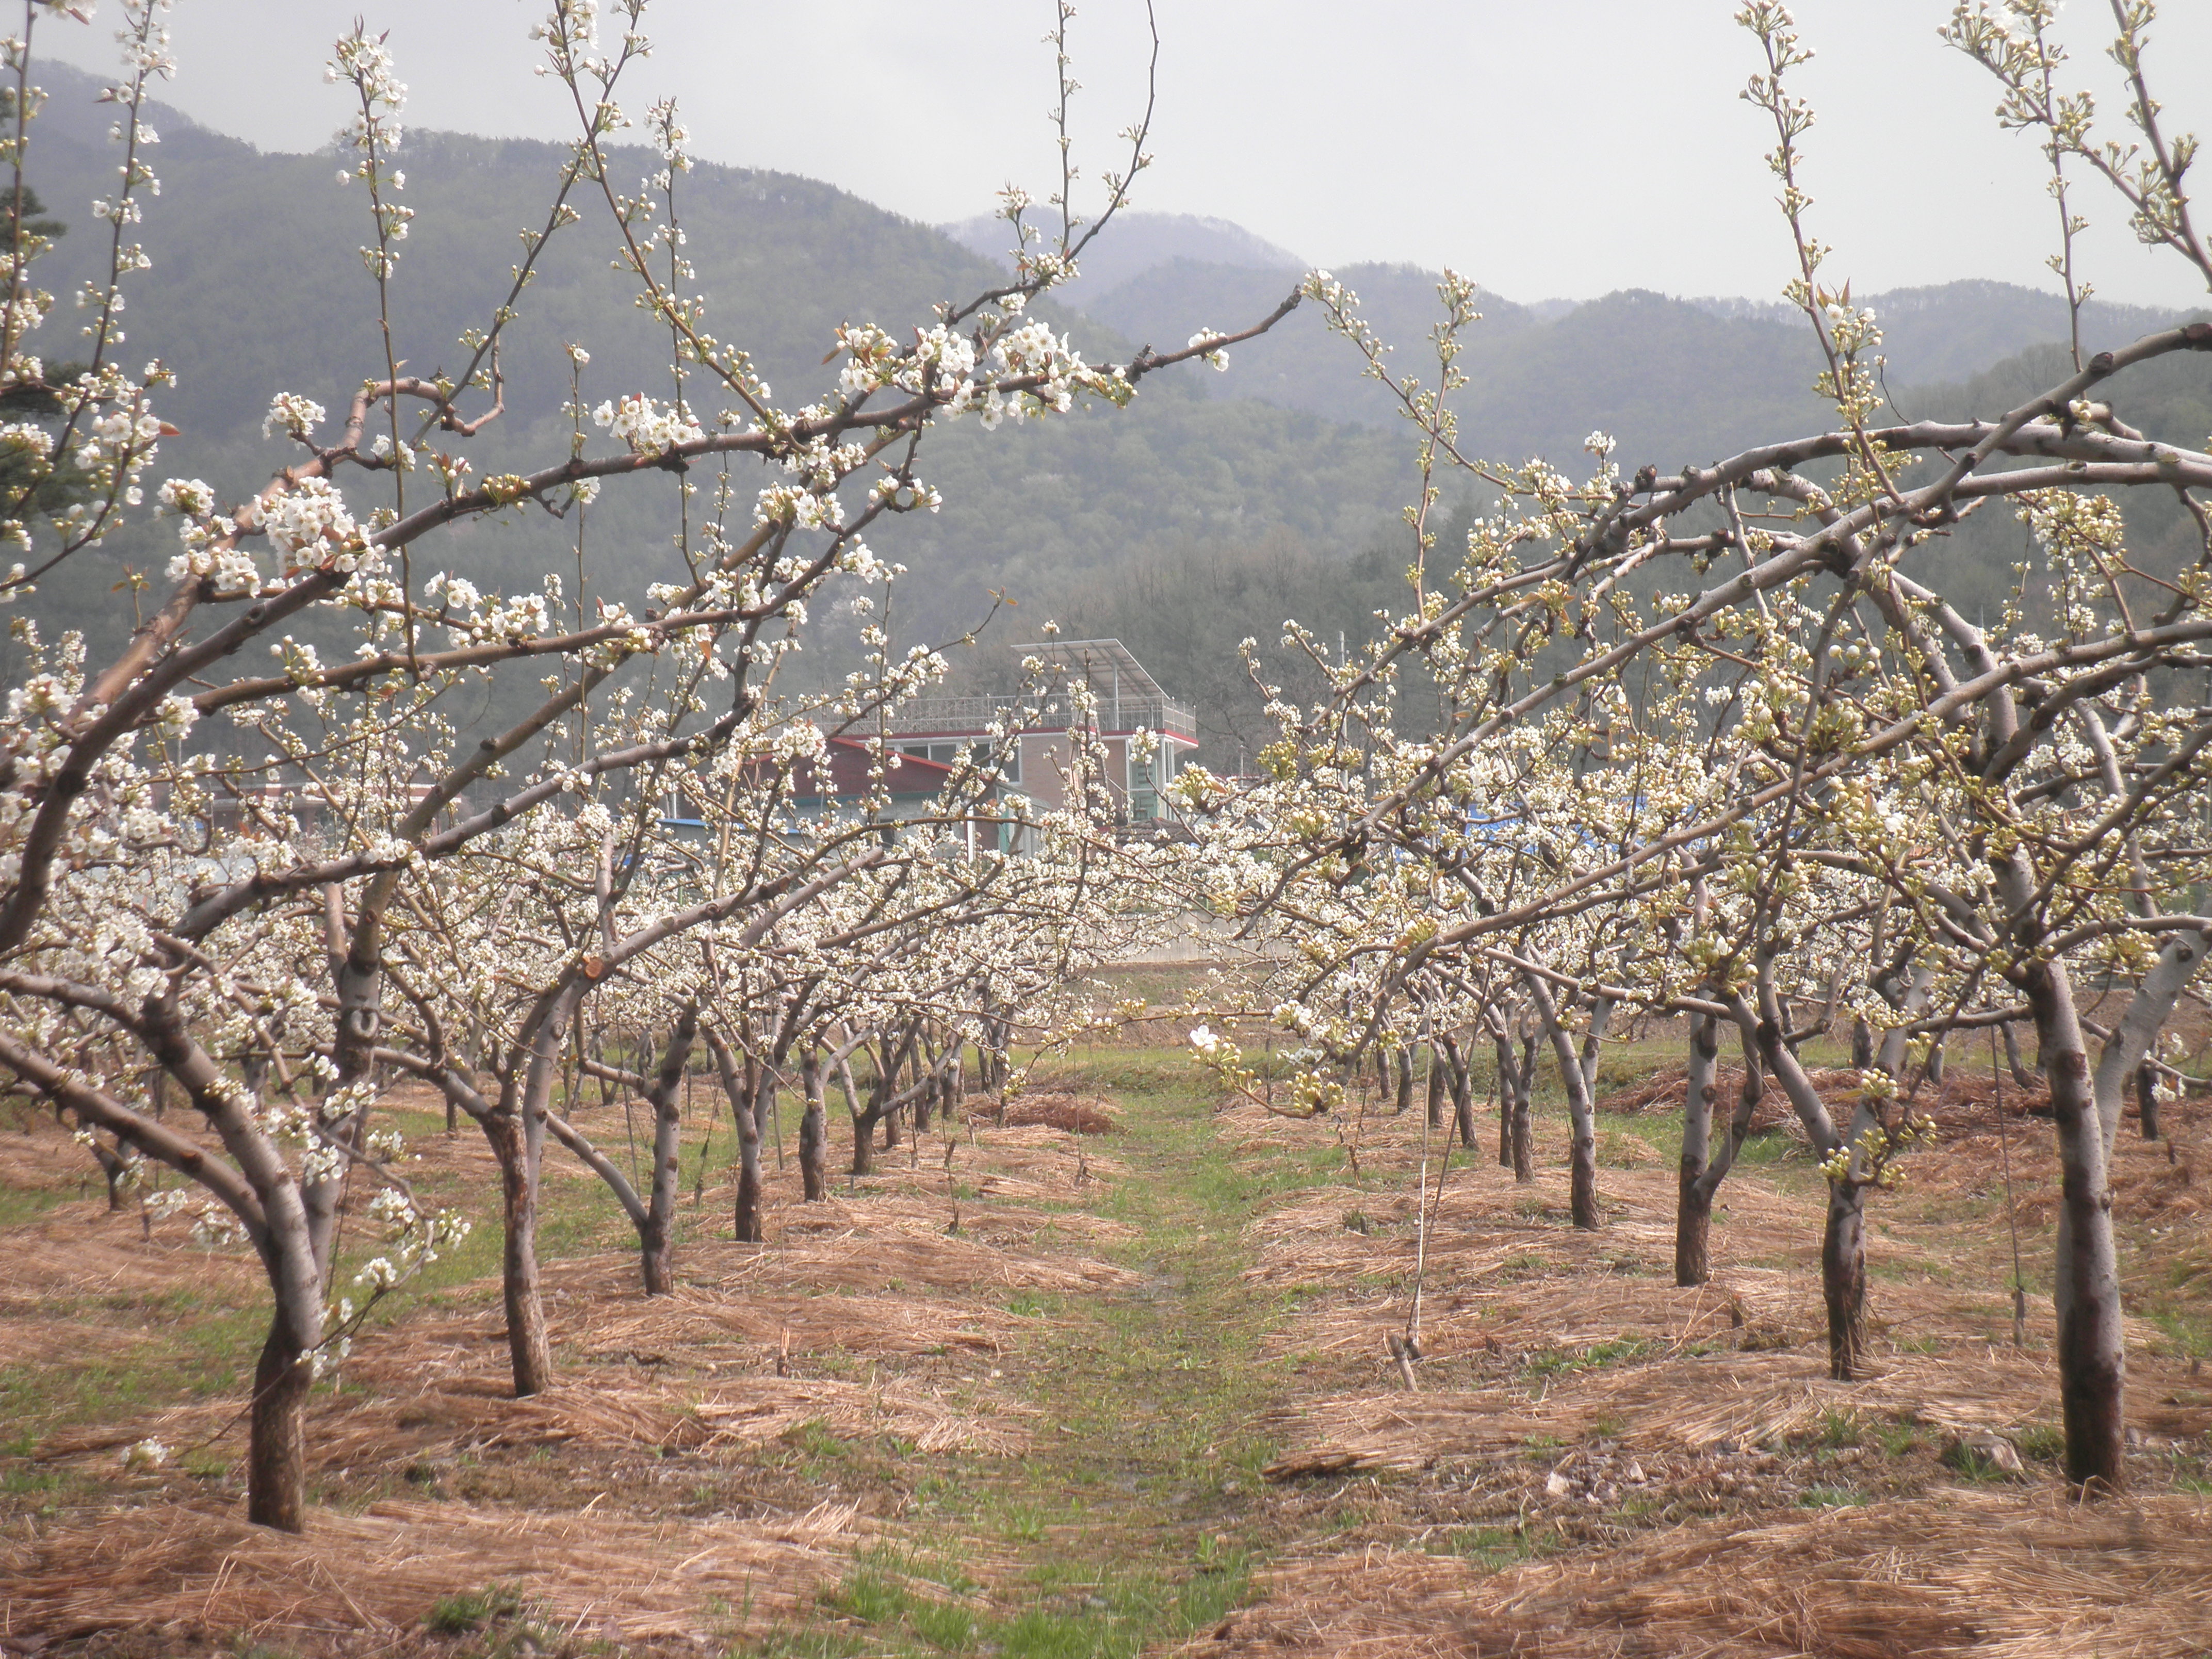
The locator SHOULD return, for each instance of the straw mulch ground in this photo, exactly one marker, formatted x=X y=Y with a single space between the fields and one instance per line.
x=1699 y=1401
x=701 y=1430
x=77 y=1279
x=1076 y=1114
x=1677 y=1462
x=479 y=1414
x=1965 y=1099
x=193 y=1573
x=1992 y=1575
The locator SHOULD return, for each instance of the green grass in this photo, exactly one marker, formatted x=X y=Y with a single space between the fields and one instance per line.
x=1839 y=1429
x=1830 y=1497
x=1492 y=1548
x=1595 y=1357
x=1086 y=1613
x=463 y=1612
x=1146 y=1399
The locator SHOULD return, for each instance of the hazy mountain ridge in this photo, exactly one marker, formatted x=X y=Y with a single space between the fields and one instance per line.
x=1134 y=243
x=1932 y=336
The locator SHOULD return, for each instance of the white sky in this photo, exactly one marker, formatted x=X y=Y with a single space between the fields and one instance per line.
x=1547 y=148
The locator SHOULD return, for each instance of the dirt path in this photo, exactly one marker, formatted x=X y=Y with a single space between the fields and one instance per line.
x=1129 y=1522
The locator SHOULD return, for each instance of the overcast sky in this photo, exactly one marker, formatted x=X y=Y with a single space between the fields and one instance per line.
x=1547 y=148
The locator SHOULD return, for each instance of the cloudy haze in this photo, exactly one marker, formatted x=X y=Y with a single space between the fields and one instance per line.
x=1557 y=151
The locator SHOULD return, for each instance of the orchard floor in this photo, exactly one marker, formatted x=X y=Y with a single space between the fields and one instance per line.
x=1027 y=1391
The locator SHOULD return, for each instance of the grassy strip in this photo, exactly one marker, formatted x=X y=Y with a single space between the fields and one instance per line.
x=1123 y=1528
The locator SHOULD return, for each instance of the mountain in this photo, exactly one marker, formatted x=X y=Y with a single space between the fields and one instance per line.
x=1214 y=509
x=1545 y=374
x=1135 y=242
x=1951 y=332
x=1656 y=374
x=257 y=286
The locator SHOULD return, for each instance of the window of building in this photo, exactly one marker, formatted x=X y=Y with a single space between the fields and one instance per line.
x=1143 y=803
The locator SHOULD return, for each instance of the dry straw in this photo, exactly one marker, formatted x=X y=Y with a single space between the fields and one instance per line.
x=1692 y=1402
x=192 y=1573
x=1979 y=1574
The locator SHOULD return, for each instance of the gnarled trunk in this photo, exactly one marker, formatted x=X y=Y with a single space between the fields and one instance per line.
x=813 y=1133
x=2146 y=1099
x=2091 y=1361
x=2013 y=1063
x=1583 y=1162
x=657 y=1237
x=1843 y=1239
x=1439 y=1080
x=1463 y=1098
x=1523 y=1079
x=276 y=1447
x=1503 y=1050
x=1699 y=1197
x=1694 y=1201
x=530 y=1352
x=1843 y=1278
x=741 y=1088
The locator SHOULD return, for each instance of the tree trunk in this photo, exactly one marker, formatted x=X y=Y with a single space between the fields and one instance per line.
x=1463 y=1098
x=1521 y=1080
x=520 y=1146
x=749 y=1223
x=1439 y=1074
x=659 y=1240
x=1593 y=1044
x=1843 y=1278
x=1404 y=1101
x=1583 y=1165
x=1843 y=1240
x=926 y=1102
x=741 y=1088
x=528 y=1349
x=2013 y=1063
x=113 y=1168
x=2136 y=1038
x=1694 y=1201
x=2146 y=1099
x=1507 y=1140
x=1863 y=1042
x=2091 y=1361
x=813 y=1133
x=276 y=1447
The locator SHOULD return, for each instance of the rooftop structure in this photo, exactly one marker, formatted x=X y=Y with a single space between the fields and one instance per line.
x=1128 y=698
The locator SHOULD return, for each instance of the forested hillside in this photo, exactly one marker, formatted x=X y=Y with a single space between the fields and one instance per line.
x=1221 y=505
